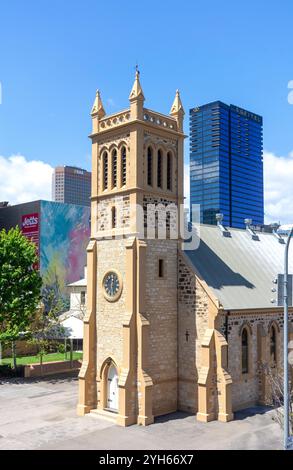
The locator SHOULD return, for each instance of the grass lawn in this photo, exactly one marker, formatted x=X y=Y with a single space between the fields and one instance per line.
x=47 y=358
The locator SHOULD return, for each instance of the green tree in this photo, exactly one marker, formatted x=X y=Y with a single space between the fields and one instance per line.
x=20 y=286
x=46 y=329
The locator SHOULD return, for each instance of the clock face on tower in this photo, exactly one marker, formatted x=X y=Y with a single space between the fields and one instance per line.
x=112 y=285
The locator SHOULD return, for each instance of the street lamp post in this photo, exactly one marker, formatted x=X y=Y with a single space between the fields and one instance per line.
x=286 y=367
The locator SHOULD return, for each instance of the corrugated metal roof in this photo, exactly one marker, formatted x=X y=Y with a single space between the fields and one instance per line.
x=239 y=270
x=80 y=283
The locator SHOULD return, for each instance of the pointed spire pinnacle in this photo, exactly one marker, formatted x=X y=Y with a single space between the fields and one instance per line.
x=177 y=105
x=136 y=91
x=98 y=108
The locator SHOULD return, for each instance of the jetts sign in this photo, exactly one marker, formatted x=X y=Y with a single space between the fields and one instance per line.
x=30 y=223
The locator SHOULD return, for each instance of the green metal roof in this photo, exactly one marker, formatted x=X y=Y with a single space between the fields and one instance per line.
x=239 y=270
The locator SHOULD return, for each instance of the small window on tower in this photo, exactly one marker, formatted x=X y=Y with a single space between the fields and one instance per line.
x=159 y=171
x=150 y=166
x=169 y=171
x=114 y=168
x=123 y=166
x=82 y=297
x=105 y=170
x=114 y=221
x=161 y=268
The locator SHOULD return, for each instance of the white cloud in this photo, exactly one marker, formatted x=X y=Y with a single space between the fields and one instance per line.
x=23 y=181
x=278 y=184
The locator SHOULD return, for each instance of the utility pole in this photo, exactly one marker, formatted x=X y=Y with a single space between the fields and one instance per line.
x=287 y=439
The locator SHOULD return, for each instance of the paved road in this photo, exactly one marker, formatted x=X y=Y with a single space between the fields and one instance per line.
x=41 y=415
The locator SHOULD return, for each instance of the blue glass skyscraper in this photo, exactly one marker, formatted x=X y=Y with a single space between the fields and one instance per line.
x=226 y=164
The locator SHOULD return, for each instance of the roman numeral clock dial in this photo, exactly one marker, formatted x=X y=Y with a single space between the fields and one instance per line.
x=112 y=285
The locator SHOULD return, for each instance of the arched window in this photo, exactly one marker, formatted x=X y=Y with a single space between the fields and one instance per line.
x=273 y=345
x=114 y=168
x=159 y=169
x=169 y=171
x=105 y=170
x=150 y=167
x=244 y=349
x=123 y=166
x=114 y=217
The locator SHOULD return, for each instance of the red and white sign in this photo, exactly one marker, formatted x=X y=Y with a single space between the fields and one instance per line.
x=30 y=229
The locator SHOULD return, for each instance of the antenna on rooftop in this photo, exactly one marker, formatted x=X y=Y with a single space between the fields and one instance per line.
x=248 y=224
x=219 y=219
x=275 y=227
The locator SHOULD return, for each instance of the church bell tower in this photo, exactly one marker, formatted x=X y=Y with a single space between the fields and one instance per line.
x=130 y=367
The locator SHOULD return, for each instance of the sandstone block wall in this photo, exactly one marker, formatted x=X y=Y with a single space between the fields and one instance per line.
x=104 y=213
x=161 y=312
x=246 y=388
x=192 y=323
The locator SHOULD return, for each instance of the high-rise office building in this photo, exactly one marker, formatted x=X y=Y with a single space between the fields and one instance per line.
x=226 y=164
x=71 y=185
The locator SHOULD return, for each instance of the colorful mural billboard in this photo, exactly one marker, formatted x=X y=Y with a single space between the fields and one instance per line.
x=64 y=236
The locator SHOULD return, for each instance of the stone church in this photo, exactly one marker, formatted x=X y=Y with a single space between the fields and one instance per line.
x=168 y=329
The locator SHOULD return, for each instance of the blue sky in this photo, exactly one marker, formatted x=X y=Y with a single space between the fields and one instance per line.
x=54 y=54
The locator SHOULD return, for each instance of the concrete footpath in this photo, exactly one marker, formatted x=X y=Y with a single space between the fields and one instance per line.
x=41 y=414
